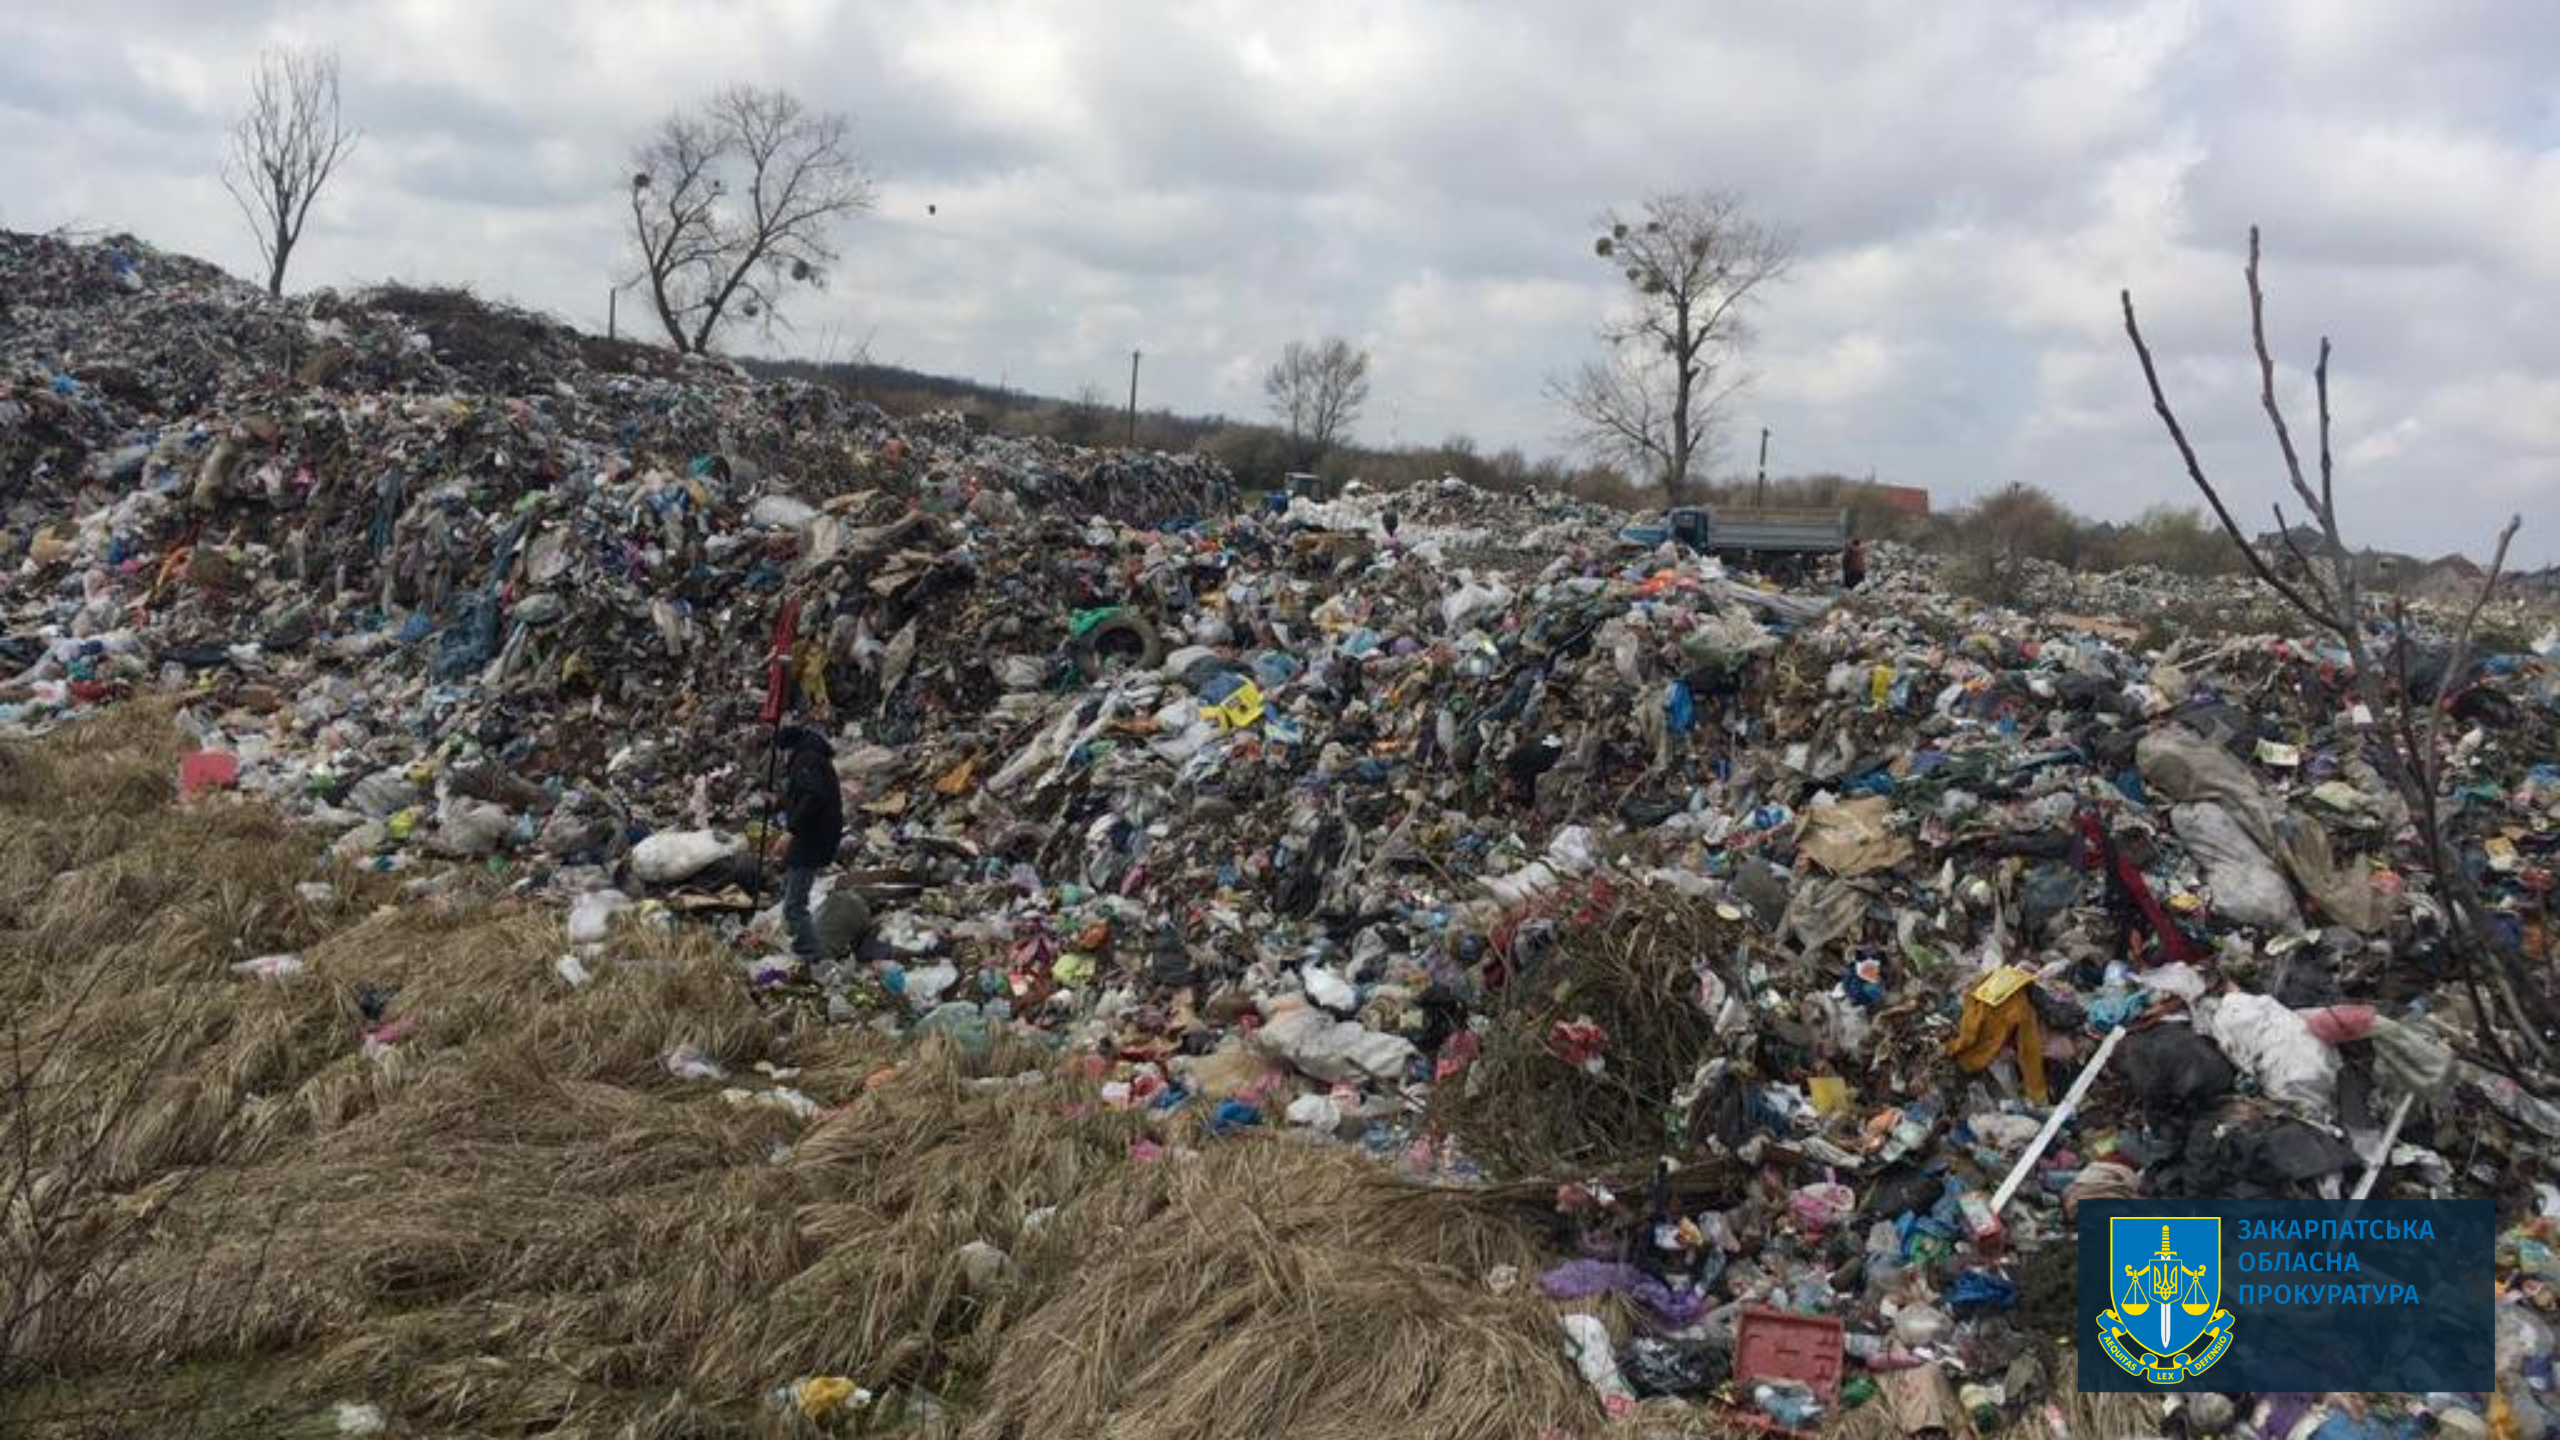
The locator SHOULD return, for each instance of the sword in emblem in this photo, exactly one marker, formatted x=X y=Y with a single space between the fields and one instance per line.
x=2164 y=1284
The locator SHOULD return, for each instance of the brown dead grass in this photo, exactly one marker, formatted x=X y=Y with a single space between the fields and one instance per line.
x=512 y=1220
x=1528 y=1112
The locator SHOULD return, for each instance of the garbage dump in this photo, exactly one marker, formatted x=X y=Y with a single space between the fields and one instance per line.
x=1791 y=963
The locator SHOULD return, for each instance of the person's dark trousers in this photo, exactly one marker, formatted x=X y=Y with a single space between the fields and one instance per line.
x=797 y=881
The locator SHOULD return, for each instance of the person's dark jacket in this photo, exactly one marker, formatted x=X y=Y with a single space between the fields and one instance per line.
x=812 y=801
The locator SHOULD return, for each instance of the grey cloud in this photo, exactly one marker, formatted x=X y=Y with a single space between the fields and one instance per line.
x=1972 y=181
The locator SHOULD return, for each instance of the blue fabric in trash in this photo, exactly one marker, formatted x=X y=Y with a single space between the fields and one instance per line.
x=1680 y=708
x=1861 y=990
x=2109 y=1011
x=471 y=640
x=1982 y=1290
x=1231 y=1116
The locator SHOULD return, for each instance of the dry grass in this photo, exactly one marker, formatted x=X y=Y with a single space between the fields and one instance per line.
x=512 y=1220
x=1274 y=1290
x=1528 y=1112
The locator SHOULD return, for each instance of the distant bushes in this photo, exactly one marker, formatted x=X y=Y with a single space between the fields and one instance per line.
x=1993 y=538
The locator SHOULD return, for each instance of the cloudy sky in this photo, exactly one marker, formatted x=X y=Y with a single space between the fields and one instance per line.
x=1971 y=182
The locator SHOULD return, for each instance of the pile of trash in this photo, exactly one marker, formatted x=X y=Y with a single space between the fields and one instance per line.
x=406 y=550
x=1807 y=956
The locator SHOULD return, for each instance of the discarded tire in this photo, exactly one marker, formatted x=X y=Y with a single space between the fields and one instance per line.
x=1122 y=642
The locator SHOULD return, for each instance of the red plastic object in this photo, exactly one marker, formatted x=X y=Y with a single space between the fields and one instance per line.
x=202 y=770
x=1777 y=1345
x=777 y=670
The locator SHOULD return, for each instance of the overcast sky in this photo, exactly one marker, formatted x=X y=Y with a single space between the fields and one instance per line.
x=1971 y=181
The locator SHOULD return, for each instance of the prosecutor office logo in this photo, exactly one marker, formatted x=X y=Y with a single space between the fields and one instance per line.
x=2165 y=1273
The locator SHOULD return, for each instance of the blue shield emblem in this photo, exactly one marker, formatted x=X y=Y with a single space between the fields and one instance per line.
x=2166 y=1277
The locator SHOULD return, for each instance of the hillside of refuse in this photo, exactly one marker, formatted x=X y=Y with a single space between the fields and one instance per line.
x=1410 y=963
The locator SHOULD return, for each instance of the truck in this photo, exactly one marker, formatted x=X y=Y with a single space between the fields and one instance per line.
x=1745 y=531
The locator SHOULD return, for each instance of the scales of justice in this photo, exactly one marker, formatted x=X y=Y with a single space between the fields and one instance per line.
x=2164 y=1280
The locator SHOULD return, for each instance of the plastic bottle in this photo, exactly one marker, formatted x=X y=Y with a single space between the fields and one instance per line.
x=1788 y=1402
x=1878 y=1352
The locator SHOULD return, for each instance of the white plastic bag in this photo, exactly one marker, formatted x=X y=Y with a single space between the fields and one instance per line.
x=1332 y=1050
x=675 y=855
x=1329 y=990
x=2247 y=886
x=591 y=915
x=1586 y=1340
x=2276 y=1047
x=780 y=512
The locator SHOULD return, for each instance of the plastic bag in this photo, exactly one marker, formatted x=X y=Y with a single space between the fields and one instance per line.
x=1820 y=1206
x=780 y=512
x=1471 y=600
x=591 y=915
x=1922 y=1325
x=671 y=856
x=688 y=1062
x=1673 y=1367
x=1586 y=1340
x=1333 y=1050
x=470 y=828
x=1329 y=990
x=2275 y=1047
x=2247 y=886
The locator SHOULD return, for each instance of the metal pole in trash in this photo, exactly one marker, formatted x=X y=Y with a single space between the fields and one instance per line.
x=2053 y=1122
x=777 y=696
x=612 y=312
x=1764 y=465
x=1133 y=399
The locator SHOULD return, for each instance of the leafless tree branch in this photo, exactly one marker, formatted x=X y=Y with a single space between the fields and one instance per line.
x=2412 y=757
x=1693 y=263
x=734 y=204
x=2195 y=472
x=284 y=149
x=1317 y=391
x=2310 y=573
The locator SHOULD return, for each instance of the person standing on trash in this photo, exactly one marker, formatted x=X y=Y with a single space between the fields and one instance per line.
x=1853 y=563
x=813 y=814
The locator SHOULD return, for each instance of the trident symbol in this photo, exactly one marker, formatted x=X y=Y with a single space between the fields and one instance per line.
x=2162 y=1277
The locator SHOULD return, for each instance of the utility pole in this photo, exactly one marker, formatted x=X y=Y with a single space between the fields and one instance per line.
x=612 y=311
x=1764 y=465
x=1133 y=399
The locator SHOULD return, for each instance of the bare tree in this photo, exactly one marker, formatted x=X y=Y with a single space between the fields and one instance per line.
x=2411 y=755
x=1693 y=262
x=731 y=205
x=1317 y=391
x=283 y=150
x=1087 y=418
